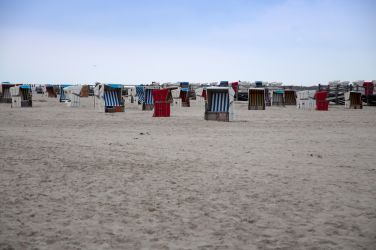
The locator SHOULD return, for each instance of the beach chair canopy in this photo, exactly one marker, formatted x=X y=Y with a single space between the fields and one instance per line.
x=114 y=86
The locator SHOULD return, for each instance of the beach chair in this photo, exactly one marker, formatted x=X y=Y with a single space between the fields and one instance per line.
x=73 y=95
x=322 y=103
x=184 y=94
x=278 y=97
x=132 y=95
x=290 y=97
x=5 y=95
x=353 y=100
x=219 y=104
x=176 y=100
x=161 y=103
x=21 y=96
x=62 y=96
x=108 y=98
x=145 y=96
x=140 y=94
x=51 y=91
x=200 y=95
x=305 y=100
x=84 y=91
x=148 y=101
x=256 y=99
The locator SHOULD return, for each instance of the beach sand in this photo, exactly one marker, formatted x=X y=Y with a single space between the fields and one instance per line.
x=74 y=178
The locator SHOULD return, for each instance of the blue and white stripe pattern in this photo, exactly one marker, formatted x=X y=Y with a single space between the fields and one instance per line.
x=140 y=93
x=220 y=102
x=63 y=97
x=149 y=96
x=111 y=99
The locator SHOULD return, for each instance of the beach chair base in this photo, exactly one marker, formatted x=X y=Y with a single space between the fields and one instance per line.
x=356 y=106
x=114 y=109
x=256 y=107
x=5 y=100
x=279 y=104
x=217 y=116
x=147 y=107
x=27 y=103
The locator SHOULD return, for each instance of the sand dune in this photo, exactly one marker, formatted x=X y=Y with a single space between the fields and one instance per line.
x=73 y=178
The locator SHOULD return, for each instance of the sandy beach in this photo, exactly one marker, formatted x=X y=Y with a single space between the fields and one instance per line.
x=74 y=178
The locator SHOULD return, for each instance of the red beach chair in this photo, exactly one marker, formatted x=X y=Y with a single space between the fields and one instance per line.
x=321 y=102
x=161 y=104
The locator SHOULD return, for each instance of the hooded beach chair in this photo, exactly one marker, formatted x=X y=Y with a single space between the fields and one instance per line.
x=176 y=100
x=62 y=96
x=369 y=93
x=73 y=95
x=353 y=100
x=131 y=94
x=200 y=95
x=306 y=99
x=173 y=92
x=21 y=96
x=219 y=104
x=278 y=97
x=5 y=95
x=51 y=91
x=145 y=96
x=322 y=102
x=140 y=94
x=256 y=99
x=290 y=97
x=161 y=103
x=84 y=91
x=184 y=94
x=108 y=98
x=148 y=95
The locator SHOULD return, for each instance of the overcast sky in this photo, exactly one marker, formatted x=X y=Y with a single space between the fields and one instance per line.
x=83 y=41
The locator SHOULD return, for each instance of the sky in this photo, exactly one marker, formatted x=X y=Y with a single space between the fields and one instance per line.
x=300 y=42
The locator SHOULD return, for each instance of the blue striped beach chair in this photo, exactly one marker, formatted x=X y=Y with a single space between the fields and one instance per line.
x=219 y=104
x=108 y=98
x=147 y=98
x=140 y=94
x=63 y=97
x=112 y=98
